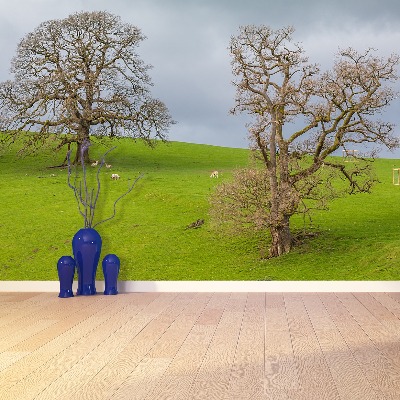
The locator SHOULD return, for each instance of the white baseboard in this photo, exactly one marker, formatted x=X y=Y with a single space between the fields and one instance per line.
x=215 y=286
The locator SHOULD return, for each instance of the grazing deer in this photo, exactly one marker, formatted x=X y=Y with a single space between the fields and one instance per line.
x=95 y=163
x=214 y=174
x=115 y=176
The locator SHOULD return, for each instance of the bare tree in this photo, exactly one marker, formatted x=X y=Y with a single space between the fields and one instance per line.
x=81 y=76
x=301 y=116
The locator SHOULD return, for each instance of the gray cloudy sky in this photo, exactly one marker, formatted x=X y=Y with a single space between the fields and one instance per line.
x=187 y=43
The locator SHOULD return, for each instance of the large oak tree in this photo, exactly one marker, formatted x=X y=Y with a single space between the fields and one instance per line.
x=300 y=117
x=81 y=76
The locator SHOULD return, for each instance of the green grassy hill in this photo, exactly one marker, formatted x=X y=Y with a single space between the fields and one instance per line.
x=359 y=237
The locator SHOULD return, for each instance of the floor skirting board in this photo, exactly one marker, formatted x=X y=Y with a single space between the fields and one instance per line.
x=215 y=286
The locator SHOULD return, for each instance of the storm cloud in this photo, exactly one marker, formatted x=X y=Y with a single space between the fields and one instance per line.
x=187 y=44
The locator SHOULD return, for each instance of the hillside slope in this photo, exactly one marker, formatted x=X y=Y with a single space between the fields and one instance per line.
x=359 y=236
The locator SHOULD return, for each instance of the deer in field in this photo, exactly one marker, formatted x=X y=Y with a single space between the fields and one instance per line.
x=214 y=174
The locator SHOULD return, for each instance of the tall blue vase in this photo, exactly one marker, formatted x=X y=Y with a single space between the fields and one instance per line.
x=86 y=246
x=111 y=266
x=66 y=272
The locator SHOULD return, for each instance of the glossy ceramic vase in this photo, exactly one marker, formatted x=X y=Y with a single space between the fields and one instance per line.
x=66 y=272
x=111 y=266
x=86 y=246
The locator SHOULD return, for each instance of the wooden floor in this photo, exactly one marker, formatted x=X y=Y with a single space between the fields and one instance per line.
x=200 y=346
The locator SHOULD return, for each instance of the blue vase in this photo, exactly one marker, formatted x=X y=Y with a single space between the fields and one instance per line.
x=66 y=272
x=111 y=266
x=86 y=246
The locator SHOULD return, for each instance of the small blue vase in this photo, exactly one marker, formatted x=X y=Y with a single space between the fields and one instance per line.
x=111 y=266
x=66 y=272
x=86 y=246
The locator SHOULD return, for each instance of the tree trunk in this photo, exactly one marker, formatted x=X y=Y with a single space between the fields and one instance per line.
x=78 y=155
x=282 y=239
x=82 y=154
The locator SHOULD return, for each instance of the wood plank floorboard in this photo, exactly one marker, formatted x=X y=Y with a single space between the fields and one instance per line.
x=183 y=346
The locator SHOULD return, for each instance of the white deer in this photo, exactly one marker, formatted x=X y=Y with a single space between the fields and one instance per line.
x=115 y=176
x=214 y=174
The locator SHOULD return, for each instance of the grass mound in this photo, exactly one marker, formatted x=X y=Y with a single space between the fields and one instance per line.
x=358 y=238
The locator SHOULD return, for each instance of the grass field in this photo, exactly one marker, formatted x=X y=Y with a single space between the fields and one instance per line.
x=358 y=237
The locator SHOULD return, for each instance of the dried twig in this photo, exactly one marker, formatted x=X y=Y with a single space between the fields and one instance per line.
x=86 y=200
